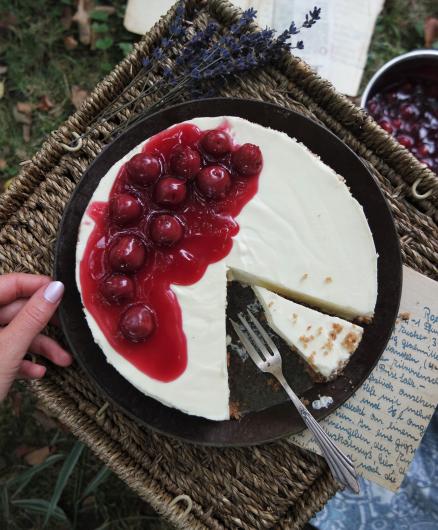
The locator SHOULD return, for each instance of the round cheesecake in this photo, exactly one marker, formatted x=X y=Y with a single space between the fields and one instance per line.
x=202 y=203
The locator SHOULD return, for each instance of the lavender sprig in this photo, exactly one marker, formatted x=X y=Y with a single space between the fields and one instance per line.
x=207 y=60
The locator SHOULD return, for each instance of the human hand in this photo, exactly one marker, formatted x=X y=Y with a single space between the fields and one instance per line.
x=27 y=303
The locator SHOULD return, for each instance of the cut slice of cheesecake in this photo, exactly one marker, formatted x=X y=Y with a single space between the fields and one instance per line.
x=326 y=343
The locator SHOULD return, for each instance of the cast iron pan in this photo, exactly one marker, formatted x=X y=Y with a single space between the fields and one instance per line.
x=269 y=414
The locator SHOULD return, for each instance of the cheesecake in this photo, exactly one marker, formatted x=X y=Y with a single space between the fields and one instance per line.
x=193 y=207
x=324 y=342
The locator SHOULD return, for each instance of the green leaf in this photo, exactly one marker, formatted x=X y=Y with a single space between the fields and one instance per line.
x=24 y=478
x=419 y=27
x=66 y=2
x=41 y=507
x=66 y=470
x=5 y=503
x=104 y=43
x=101 y=476
x=99 y=15
x=100 y=27
x=126 y=47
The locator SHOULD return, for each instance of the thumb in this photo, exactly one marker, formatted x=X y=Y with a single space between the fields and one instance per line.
x=32 y=319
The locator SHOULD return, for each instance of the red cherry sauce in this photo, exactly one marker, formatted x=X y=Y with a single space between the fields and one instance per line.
x=409 y=112
x=209 y=226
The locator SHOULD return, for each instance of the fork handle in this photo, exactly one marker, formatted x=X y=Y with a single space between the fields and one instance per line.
x=341 y=466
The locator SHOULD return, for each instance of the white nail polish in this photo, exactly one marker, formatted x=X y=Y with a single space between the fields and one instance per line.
x=54 y=292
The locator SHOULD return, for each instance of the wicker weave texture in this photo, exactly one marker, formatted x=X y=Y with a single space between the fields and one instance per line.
x=271 y=486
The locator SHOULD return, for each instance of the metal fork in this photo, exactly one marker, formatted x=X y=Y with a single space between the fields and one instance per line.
x=268 y=359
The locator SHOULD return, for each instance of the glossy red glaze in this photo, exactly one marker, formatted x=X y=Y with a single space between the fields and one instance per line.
x=209 y=227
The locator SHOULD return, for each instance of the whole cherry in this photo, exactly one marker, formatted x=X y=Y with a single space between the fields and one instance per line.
x=137 y=323
x=118 y=288
x=166 y=230
x=247 y=160
x=125 y=209
x=143 y=170
x=127 y=254
x=185 y=161
x=170 y=192
x=213 y=182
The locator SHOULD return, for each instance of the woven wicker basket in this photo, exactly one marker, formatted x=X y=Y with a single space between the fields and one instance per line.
x=271 y=486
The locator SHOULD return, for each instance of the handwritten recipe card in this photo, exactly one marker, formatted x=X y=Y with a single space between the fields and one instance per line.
x=381 y=425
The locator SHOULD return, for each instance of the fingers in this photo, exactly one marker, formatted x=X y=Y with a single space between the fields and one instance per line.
x=50 y=349
x=8 y=312
x=19 y=285
x=30 y=370
x=31 y=320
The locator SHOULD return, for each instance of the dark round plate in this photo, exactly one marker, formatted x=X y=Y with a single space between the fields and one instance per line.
x=270 y=414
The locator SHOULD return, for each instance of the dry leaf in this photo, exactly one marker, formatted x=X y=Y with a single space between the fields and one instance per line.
x=70 y=42
x=7 y=183
x=7 y=20
x=430 y=31
x=26 y=133
x=23 y=450
x=3 y=69
x=110 y=10
x=67 y=17
x=78 y=95
x=37 y=456
x=3 y=166
x=25 y=107
x=2 y=89
x=82 y=18
x=21 y=117
x=45 y=103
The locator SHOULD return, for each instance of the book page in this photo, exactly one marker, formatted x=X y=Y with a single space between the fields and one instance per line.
x=381 y=425
x=336 y=47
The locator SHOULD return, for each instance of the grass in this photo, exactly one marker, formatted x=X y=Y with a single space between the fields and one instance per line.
x=38 y=64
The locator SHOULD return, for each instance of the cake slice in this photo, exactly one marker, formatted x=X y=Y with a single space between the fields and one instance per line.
x=326 y=343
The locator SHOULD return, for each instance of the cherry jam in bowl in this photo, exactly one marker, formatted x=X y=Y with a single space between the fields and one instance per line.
x=402 y=97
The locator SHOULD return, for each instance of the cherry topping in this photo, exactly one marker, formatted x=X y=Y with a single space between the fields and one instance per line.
x=125 y=209
x=127 y=254
x=247 y=159
x=170 y=191
x=166 y=230
x=216 y=142
x=185 y=161
x=143 y=169
x=118 y=288
x=213 y=182
x=409 y=111
x=405 y=140
x=386 y=125
x=137 y=322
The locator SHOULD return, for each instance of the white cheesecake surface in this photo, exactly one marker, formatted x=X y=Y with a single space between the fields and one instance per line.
x=302 y=234
x=325 y=342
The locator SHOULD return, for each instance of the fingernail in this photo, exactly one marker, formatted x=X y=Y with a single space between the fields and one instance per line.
x=54 y=292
